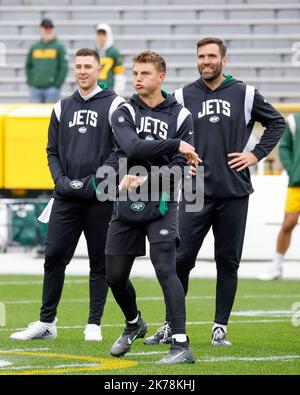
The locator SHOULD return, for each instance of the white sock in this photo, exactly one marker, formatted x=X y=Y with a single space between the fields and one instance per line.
x=47 y=323
x=277 y=261
x=224 y=327
x=180 y=338
x=134 y=321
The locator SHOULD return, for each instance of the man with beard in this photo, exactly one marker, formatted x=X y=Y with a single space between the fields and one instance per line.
x=224 y=111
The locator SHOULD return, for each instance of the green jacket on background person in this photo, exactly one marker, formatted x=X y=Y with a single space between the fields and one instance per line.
x=46 y=64
x=289 y=149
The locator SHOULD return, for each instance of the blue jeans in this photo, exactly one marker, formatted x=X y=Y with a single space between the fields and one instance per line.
x=44 y=95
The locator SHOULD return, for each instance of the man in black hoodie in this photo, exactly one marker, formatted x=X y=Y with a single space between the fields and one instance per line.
x=152 y=129
x=224 y=111
x=80 y=140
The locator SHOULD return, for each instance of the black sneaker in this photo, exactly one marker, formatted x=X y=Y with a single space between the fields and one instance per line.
x=218 y=337
x=162 y=335
x=179 y=353
x=130 y=333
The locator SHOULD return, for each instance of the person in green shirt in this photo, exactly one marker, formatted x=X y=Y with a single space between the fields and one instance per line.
x=112 y=71
x=46 y=66
x=289 y=153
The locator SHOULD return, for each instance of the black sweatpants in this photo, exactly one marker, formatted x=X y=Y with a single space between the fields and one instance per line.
x=67 y=221
x=228 y=221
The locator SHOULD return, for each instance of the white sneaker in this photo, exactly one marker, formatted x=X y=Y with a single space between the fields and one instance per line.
x=92 y=333
x=37 y=330
x=271 y=274
x=218 y=337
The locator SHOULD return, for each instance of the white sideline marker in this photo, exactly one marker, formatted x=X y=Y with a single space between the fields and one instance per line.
x=4 y=363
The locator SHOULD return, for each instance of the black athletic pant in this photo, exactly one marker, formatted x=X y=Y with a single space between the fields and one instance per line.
x=162 y=255
x=67 y=221
x=228 y=221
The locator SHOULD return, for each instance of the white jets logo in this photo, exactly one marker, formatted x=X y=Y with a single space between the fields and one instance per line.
x=82 y=130
x=213 y=107
x=164 y=232
x=149 y=137
x=154 y=126
x=214 y=119
x=76 y=184
x=84 y=117
x=137 y=206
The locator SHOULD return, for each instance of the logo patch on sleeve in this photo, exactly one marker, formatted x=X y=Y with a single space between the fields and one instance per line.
x=76 y=184
x=164 y=232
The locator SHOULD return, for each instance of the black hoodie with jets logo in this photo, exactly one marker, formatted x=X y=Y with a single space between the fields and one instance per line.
x=223 y=121
x=151 y=136
x=80 y=140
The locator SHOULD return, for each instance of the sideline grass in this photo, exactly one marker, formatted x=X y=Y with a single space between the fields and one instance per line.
x=264 y=339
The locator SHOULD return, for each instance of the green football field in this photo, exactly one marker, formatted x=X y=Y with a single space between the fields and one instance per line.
x=264 y=329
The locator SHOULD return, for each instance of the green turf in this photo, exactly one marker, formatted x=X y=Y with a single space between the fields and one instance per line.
x=253 y=340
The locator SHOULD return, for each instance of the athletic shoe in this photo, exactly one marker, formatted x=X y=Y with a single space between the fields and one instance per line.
x=130 y=333
x=218 y=337
x=37 y=330
x=179 y=353
x=162 y=335
x=92 y=332
x=271 y=274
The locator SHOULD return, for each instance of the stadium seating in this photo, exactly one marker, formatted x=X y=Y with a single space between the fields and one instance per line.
x=259 y=35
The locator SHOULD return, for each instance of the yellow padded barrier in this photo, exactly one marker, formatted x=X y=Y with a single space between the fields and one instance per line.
x=24 y=148
x=4 y=108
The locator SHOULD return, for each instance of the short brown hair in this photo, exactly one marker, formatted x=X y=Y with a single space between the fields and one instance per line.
x=151 y=57
x=88 y=52
x=213 y=40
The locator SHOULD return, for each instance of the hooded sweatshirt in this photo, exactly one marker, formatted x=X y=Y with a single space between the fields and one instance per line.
x=289 y=149
x=80 y=137
x=151 y=136
x=46 y=64
x=111 y=62
x=223 y=121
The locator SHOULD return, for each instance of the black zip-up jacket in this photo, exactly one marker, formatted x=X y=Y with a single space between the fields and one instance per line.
x=151 y=136
x=80 y=140
x=223 y=121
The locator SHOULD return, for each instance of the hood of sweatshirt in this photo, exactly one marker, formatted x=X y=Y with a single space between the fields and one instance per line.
x=229 y=81
x=169 y=106
x=109 y=35
x=104 y=93
x=166 y=105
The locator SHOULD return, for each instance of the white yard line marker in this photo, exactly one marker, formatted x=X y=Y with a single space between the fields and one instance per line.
x=263 y=313
x=40 y=282
x=4 y=363
x=278 y=358
x=159 y=324
x=73 y=365
x=27 y=349
x=158 y=298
